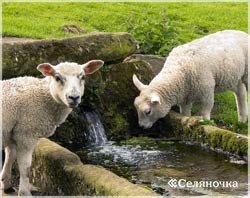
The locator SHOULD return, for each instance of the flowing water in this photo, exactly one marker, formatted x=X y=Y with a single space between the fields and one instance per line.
x=155 y=162
x=95 y=131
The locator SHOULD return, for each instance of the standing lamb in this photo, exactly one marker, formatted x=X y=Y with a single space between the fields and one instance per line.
x=33 y=108
x=192 y=73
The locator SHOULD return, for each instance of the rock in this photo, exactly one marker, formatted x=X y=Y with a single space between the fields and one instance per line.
x=73 y=29
x=72 y=131
x=58 y=172
x=154 y=62
x=191 y=129
x=117 y=109
x=21 y=58
x=12 y=40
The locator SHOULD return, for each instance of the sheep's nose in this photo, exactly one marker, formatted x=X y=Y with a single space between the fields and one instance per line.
x=74 y=98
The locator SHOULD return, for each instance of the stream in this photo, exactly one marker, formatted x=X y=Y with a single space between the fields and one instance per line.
x=154 y=163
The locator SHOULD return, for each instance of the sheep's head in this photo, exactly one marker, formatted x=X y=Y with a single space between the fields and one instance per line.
x=149 y=105
x=67 y=80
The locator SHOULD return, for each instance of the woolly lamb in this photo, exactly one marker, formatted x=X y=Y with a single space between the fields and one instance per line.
x=33 y=108
x=192 y=73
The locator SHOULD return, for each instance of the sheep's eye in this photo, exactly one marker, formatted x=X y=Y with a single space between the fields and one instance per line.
x=83 y=77
x=58 y=78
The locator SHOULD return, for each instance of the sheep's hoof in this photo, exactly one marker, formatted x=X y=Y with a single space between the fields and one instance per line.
x=9 y=190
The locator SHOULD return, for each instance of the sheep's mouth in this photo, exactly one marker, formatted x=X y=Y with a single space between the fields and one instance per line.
x=146 y=126
x=73 y=104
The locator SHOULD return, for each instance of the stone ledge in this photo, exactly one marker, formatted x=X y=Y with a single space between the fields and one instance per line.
x=57 y=171
x=191 y=129
x=21 y=58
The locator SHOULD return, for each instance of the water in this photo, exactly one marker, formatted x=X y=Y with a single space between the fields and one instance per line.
x=95 y=133
x=155 y=162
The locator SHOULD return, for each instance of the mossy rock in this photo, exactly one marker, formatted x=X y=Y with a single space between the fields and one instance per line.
x=21 y=58
x=117 y=109
x=57 y=171
x=155 y=63
x=191 y=129
x=227 y=140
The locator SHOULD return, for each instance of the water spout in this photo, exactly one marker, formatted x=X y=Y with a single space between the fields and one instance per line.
x=95 y=133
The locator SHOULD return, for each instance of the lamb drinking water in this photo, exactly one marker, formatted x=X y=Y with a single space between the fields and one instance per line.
x=33 y=108
x=192 y=73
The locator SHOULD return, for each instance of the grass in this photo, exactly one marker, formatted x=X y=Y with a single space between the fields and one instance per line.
x=158 y=26
x=177 y=23
x=226 y=113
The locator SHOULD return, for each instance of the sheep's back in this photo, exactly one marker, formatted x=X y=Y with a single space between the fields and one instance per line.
x=22 y=103
x=222 y=55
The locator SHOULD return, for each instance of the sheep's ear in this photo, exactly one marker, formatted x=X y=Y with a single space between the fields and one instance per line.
x=92 y=66
x=155 y=99
x=46 y=69
x=138 y=83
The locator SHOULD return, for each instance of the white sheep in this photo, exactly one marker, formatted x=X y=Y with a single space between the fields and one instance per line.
x=33 y=108
x=192 y=73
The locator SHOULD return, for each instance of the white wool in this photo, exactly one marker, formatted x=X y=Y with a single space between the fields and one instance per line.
x=33 y=108
x=194 y=71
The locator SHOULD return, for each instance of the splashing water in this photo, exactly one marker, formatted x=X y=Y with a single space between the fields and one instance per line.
x=124 y=154
x=95 y=131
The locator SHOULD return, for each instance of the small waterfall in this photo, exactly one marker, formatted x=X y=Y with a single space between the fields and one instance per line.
x=95 y=131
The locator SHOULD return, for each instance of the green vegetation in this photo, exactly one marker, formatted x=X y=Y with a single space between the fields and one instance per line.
x=226 y=113
x=157 y=26
x=191 y=129
x=147 y=143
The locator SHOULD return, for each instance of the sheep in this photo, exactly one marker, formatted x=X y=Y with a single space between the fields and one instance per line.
x=33 y=108
x=192 y=73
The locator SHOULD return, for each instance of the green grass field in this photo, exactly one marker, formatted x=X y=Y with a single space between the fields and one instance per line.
x=179 y=22
x=158 y=26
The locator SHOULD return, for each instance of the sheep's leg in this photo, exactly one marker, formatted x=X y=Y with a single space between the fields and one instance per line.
x=241 y=99
x=207 y=103
x=185 y=109
x=10 y=157
x=24 y=158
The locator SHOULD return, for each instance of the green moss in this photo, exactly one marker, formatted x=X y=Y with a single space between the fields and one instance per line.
x=117 y=98
x=147 y=143
x=227 y=140
x=124 y=49
x=189 y=125
x=116 y=124
x=192 y=130
x=208 y=122
x=142 y=141
x=215 y=139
